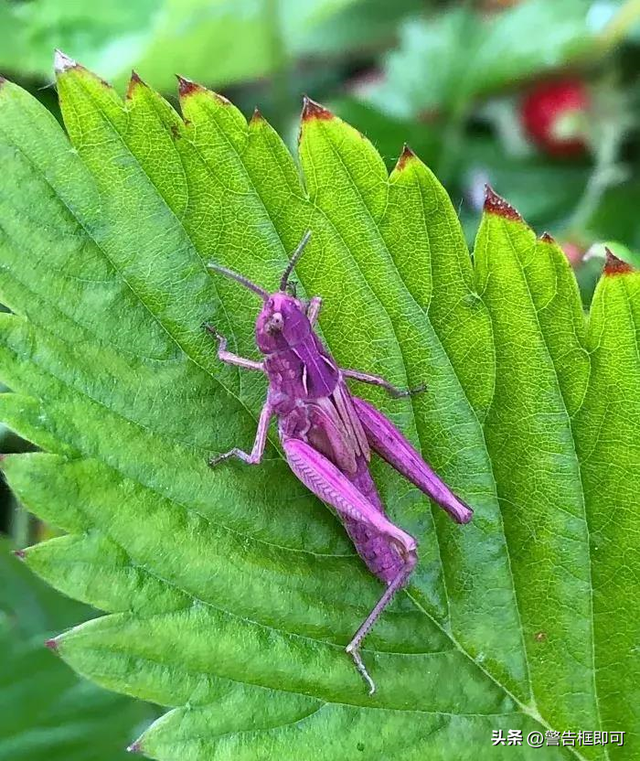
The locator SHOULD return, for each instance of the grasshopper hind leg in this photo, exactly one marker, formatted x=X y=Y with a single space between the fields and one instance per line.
x=353 y=648
x=332 y=486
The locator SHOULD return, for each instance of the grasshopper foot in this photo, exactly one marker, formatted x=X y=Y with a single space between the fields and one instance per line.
x=400 y=393
x=211 y=329
x=217 y=459
x=354 y=652
x=249 y=458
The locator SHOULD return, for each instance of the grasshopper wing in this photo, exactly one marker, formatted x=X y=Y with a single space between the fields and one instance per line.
x=328 y=483
x=385 y=439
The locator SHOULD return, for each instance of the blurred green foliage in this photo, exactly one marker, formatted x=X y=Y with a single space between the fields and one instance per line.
x=219 y=41
x=446 y=77
x=442 y=63
x=47 y=713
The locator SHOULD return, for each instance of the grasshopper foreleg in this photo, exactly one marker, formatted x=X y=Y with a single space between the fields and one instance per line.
x=229 y=357
x=255 y=456
x=313 y=309
x=377 y=380
x=328 y=483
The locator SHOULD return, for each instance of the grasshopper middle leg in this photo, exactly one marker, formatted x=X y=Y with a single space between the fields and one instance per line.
x=377 y=380
x=255 y=456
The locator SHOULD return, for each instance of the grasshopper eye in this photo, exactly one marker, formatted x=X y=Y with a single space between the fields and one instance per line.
x=275 y=323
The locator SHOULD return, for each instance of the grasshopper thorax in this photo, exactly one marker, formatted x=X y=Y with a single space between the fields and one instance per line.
x=282 y=323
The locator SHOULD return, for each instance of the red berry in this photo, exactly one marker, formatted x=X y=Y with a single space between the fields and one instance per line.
x=553 y=115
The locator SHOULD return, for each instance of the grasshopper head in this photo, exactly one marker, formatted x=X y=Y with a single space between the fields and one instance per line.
x=282 y=323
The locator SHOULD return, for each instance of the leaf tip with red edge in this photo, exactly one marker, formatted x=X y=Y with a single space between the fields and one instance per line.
x=495 y=204
x=312 y=110
x=406 y=155
x=187 y=87
x=62 y=62
x=256 y=117
x=614 y=266
x=547 y=238
x=134 y=81
x=20 y=554
x=52 y=644
x=135 y=747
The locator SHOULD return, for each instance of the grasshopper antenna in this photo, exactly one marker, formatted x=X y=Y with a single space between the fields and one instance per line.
x=294 y=260
x=240 y=278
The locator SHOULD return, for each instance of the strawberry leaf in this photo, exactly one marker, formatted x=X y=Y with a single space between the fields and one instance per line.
x=230 y=594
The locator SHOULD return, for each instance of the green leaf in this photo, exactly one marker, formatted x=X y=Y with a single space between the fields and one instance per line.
x=231 y=593
x=383 y=130
x=46 y=712
x=442 y=63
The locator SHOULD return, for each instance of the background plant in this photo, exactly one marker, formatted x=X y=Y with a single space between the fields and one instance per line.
x=48 y=712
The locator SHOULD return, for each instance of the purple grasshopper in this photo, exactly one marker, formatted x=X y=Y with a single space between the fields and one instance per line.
x=327 y=435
